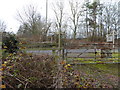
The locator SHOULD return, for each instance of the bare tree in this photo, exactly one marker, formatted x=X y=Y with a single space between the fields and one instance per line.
x=85 y=13
x=75 y=15
x=32 y=23
x=110 y=18
x=58 y=9
x=29 y=18
x=2 y=26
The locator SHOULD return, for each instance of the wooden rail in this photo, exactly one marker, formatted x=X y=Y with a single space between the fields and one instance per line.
x=104 y=54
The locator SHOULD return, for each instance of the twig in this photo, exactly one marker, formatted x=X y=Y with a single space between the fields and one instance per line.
x=8 y=85
x=15 y=78
x=26 y=84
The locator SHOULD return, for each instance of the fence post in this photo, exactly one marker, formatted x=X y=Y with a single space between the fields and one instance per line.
x=53 y=52
x=66 y=55
x=63 y=53
x=95 y=51
x=102 y=53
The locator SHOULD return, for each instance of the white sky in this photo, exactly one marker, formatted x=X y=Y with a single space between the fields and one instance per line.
x=9 y=8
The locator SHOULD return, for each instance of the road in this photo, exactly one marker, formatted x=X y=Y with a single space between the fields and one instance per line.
x=68 y=50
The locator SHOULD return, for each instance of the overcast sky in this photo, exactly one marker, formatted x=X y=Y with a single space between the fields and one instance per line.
x=9 y=8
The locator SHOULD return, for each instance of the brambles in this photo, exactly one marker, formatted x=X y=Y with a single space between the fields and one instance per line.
x=29 y=71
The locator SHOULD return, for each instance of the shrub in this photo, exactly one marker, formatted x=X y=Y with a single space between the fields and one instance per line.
x=10 y=43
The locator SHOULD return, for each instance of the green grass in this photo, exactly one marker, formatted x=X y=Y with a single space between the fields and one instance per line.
x=115 y=55
x=108 y=68
x=105 y=67
x=102 y=68
x=92 y=60
x=81 y=59
x=88 y=62
x=101 y=73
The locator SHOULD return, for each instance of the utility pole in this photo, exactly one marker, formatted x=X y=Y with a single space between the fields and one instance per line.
x=46 y=16
x=113 y=39
x=46 y=10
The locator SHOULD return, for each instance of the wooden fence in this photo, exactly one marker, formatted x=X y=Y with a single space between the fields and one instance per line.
x=91 y=53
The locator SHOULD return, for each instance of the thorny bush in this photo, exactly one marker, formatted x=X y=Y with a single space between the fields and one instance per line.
x=29 y=71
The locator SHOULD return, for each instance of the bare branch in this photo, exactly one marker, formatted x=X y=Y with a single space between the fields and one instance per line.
x=2 y=26
x=75 y=15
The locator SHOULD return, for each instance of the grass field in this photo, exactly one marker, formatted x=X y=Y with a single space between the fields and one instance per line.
x=102 y=73
x=113 y=59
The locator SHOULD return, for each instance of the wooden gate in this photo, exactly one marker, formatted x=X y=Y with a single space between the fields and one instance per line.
x=91 y=53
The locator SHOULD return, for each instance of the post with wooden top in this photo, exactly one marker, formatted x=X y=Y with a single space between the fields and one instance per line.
x=59 y=83
x=113 y=39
